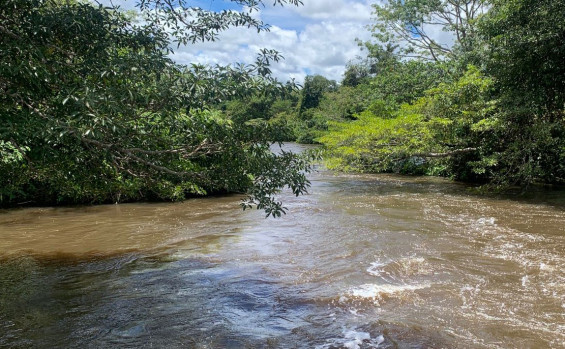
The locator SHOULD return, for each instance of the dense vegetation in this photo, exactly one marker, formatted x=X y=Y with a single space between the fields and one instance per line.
x=93 y=110
x=489 y=108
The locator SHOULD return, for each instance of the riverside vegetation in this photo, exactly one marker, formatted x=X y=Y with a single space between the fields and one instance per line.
x=487 y=109
x=94 y=111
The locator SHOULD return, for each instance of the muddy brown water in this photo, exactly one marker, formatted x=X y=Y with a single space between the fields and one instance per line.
x=363 y=261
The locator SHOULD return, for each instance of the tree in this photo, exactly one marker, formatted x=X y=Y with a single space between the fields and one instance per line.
x=500 y=121
x=354 y=75
x=409 y=24
x=93 y=110
x=443 y=132
x=313 y=90
x=191 y=24
x=523 y=50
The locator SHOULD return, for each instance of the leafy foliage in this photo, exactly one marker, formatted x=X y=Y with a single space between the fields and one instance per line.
x=412 y=138
x=393 y=83
x=524 y=53
x=500 y=121
x=407 y=25
x=93 y=110
x=190 y=24
x=314 y=88
x=372 y=143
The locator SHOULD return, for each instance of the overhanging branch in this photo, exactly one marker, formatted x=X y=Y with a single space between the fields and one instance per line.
x=445 y=154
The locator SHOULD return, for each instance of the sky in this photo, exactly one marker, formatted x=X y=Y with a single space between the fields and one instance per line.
x=315 y=38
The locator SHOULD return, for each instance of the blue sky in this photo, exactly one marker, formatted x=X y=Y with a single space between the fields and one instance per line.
x=316 y=38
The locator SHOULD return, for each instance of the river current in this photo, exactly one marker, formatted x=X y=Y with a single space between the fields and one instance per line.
x=363 y=261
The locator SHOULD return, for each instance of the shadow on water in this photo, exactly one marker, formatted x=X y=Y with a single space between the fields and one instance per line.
x=132 y=300
x=383 y=184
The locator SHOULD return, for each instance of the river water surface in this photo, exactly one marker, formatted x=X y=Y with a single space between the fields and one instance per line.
x=363 y=261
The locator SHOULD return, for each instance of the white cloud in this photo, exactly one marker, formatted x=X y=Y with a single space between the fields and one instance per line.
x=344 y=10
x=441 y=36
x=322 y=48
x=316 y=38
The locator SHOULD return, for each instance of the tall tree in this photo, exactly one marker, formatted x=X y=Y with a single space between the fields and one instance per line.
x=411 y=24
x=524 y=51
x=313 y=90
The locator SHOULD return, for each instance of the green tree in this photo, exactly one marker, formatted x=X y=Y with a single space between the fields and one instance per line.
x=93 y=110
x=440 y=133
x=314 y=88
x=408 y=24
x=403 y=82
x=500 y=121
x=354 y=75
x=308 y=123
x=523 y=50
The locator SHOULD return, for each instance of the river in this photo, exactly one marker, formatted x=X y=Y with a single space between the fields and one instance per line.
x=363 y=261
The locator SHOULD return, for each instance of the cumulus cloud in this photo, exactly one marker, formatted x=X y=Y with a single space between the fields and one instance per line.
x=344 y=10
x=321 y=48
x=316 y=38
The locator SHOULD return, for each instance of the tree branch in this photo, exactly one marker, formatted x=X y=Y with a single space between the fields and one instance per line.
x=8 y=32
x=446 y=154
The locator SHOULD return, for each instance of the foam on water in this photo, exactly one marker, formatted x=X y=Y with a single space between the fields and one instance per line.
x=353 y=339
x=378 y=293
x=400 y=268
x=486 y=221
x=376 y=268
